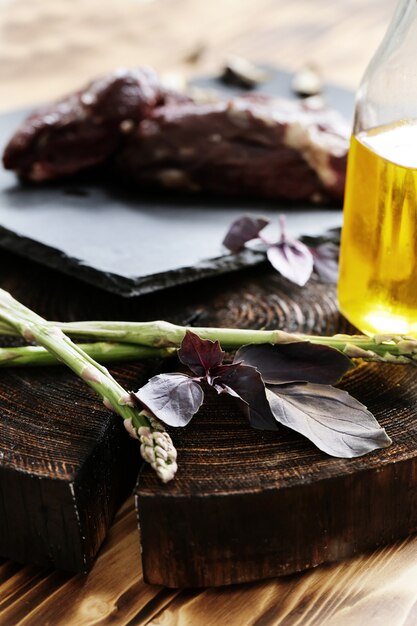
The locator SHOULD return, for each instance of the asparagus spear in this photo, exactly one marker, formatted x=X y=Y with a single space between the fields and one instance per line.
x=156 y=445
x=101 y=351
x=161 y=334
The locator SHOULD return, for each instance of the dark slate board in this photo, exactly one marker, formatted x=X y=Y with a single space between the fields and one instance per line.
x=132 y=243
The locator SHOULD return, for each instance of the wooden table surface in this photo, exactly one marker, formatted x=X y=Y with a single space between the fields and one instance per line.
x=51 y=46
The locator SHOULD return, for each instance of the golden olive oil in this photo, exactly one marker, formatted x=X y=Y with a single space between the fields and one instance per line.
x=378 y=259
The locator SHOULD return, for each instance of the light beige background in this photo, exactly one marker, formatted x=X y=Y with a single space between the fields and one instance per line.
x=48 y=47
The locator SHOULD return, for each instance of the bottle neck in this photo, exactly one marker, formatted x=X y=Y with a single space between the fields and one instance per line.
x=388 y=91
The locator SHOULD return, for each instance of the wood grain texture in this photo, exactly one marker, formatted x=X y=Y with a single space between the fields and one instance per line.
x=112 y=593
x=63 y=472
x=376 y=588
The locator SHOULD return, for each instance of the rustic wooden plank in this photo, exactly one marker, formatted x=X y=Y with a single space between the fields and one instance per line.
x=374 y=589
x=377 y=588
x=13 y=587
x=113 y=592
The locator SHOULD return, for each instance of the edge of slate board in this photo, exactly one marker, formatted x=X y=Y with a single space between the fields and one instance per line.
x=126 y=287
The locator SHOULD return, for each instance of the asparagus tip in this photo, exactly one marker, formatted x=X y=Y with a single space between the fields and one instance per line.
x=158 y=450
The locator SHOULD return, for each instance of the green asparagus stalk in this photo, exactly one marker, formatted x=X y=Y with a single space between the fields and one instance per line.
x=101 y=351
x=156 y=445
x=161 y=334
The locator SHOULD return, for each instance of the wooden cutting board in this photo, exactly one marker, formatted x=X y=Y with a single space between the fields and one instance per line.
x=248 y=505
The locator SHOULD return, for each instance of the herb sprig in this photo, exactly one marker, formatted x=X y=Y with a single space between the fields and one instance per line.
x=289 y=384
x=292 y=258
x=277 y=378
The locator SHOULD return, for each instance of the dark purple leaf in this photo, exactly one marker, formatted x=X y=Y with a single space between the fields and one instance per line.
x=198 y=354
x=332 y=419
x=298 y=361
x=326 y=262
x=243 y=230
x=244 y=382
x=172 y=398
x=292 y=259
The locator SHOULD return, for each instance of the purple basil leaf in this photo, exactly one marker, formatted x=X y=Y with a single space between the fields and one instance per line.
x=326 y=261
x=295 y=362
x=333 y=420
x=243 y=230
x=244 y=382
x=199 y=355
x=173 y=398
x=292 y=259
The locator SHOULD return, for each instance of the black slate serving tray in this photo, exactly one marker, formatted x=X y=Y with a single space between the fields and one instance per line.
x=129 y=242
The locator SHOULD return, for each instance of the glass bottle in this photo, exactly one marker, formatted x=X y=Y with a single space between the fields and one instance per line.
x=378 y=258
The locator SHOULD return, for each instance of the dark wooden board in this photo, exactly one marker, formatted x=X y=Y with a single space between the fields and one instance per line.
x=248 y=505
x=132 y=243
x=65 y=468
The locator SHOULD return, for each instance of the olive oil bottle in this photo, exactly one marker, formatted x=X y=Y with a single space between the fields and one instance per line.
x=378 y=259
x=378 y=264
